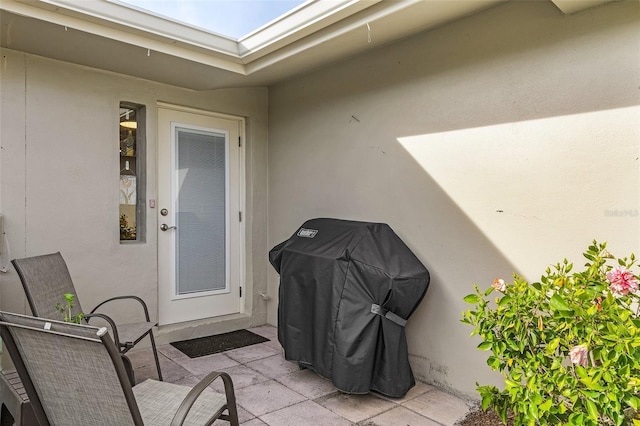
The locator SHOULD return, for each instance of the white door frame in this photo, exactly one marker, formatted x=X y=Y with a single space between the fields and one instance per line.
x=236 y=218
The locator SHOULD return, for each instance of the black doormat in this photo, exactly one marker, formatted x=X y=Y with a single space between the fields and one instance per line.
x=209 y=345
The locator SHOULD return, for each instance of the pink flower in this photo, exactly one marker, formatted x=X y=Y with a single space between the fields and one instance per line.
x=579 y=355
x=499 y=284
x=622 y=281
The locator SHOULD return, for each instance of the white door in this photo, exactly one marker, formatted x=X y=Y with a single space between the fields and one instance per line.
x=199 y=209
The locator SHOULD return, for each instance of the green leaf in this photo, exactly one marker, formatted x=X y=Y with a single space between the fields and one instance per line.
x=505 y=300
x=485 y=346
x=533 y=411
x=592 y=409
x=493 y=362
x=486 y=401
x=576 y=419
x=634 y=402
x=590 y=382
x=552 y=346
x=545 y=406
x=472 y=298
x=503 y=414
x=558 y=303
x=581 y=372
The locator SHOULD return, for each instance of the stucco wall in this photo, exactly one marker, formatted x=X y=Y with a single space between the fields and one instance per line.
x=501 y=143
x=59 y=178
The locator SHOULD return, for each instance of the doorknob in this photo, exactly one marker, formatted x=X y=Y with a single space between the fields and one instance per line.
x=165 y=227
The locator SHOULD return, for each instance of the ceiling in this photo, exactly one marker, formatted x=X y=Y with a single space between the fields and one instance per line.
x=105 y=34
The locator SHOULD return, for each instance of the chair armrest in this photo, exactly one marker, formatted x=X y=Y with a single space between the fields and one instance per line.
x=144 y=305
x=192 y=396
x=108 y=319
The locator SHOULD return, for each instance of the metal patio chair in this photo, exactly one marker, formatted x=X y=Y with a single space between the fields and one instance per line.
x=74 y=375
x=46 y=280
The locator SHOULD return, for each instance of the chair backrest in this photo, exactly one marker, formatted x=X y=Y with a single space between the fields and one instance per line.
x=72 y=373
x=46 y=280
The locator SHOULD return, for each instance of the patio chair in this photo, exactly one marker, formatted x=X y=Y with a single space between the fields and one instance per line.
x=74 y=375
x=46 y=280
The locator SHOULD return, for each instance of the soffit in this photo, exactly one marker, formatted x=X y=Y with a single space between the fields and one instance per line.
x=572 y=6
x=115 y=38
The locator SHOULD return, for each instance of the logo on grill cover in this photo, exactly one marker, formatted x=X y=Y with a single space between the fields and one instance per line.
x=307 y=233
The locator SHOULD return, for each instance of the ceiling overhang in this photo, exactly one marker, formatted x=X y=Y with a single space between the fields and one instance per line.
x=110 y=35
x=573 y=6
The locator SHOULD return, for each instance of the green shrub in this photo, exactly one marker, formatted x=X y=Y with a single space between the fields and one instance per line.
x=568 y=346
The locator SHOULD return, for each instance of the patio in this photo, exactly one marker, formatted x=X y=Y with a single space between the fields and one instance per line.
x=493 y=136
x=272 y=391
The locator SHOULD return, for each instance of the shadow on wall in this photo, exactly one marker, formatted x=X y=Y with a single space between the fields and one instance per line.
x=468 y=141
x=532 y=191
x=541 y=180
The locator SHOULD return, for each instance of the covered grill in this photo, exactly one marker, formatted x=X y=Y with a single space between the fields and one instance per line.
x=346 y=291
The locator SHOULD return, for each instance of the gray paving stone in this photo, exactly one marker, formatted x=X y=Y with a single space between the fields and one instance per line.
x=267 y=397
x=355 y=408
x=439 y=406
x=304 y=413
x=399 y=416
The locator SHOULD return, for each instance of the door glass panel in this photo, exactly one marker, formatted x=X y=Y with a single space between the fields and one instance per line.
x=200 y=211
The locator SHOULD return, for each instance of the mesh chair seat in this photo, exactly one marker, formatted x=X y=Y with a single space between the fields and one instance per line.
x=159 y=401
x=133 y=332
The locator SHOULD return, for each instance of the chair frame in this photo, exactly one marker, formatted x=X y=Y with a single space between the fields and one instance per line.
x=102 y=336
x=124 y=347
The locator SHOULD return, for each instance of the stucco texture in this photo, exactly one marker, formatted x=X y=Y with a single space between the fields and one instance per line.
x=501 y=143
x=60 y=180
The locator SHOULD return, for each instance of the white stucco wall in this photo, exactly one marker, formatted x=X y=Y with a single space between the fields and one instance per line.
x=501 y=143
x=59 y=179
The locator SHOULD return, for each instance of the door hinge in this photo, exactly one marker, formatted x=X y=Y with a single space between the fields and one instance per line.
x=240 y=216
x=239 y=141
x=240 y=291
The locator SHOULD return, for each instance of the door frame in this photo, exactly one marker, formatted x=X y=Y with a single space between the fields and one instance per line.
x=242 y=244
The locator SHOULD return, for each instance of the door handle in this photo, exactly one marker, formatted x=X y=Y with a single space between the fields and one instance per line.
x=165 y=227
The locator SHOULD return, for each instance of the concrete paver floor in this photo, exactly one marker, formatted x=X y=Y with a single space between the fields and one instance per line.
x=272 y=391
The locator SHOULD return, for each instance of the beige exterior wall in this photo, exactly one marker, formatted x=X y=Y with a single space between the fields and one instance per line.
x=501 y=143
x=59 y=182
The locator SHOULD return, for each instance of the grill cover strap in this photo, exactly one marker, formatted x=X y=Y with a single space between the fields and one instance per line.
x=379 y=310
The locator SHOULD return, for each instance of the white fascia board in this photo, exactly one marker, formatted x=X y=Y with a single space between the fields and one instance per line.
x=114 y=21
x=319 y=37
x=123 y=14
x=129 y=24
x=312 y=16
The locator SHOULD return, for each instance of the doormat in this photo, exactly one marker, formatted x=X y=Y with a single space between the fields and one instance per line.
x=210 y=345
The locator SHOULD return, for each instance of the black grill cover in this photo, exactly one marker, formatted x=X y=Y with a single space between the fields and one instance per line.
x=346 y=291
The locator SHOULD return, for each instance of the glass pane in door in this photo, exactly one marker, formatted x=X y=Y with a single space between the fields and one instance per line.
x=200 y=161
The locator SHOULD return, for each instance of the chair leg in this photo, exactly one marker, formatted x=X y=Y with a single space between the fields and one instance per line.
x=230 y=394
x=129 y=369
x=155 y=354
